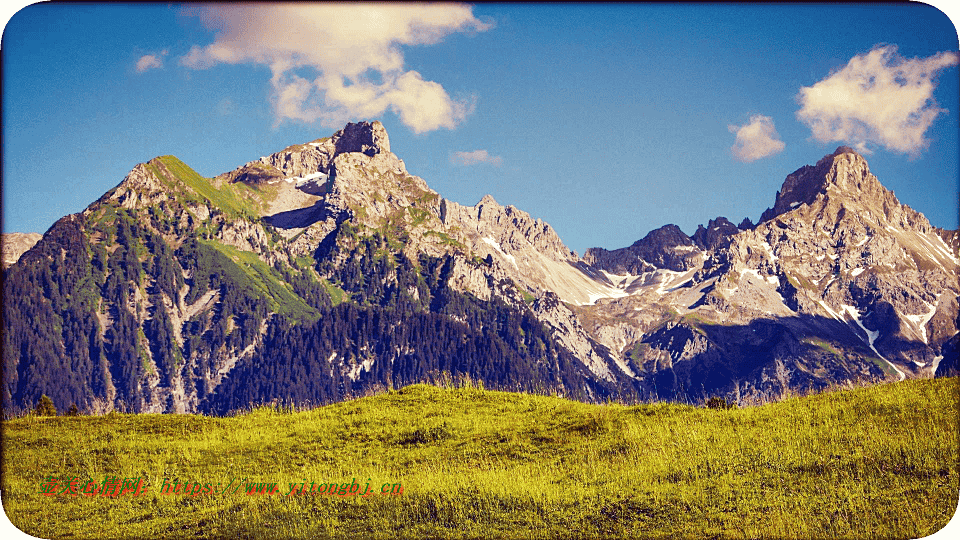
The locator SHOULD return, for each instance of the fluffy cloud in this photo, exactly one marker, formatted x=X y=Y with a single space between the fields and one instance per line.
x=878 y=98
x=351 y=52
x=756 y=140
x=475 y=157
x=150 y=61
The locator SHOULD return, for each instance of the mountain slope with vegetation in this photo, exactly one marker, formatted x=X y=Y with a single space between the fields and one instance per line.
x=171 y=292
x=327 y=271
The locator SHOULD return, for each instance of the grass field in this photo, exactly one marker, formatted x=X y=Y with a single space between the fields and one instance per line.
x=879 y=462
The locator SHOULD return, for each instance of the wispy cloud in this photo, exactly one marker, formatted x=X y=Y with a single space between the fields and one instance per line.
x=474 y=158
x=337 y=62
x=756 y=140
x=150 y=61
x=878 y=98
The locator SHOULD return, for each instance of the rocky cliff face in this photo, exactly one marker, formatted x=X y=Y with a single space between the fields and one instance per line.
x=185 y=292
x=16 y=244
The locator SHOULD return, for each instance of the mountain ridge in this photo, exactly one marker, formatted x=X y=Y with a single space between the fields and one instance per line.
x=189 y=283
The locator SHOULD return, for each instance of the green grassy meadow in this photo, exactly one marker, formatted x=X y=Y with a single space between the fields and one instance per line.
x=878 y=462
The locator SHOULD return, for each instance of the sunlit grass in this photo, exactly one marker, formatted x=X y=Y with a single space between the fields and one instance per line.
x=879 y=462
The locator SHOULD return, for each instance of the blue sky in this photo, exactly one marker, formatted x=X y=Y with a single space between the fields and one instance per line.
x=606 y=121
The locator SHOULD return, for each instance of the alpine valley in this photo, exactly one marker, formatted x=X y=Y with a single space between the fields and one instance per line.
x=326 y=271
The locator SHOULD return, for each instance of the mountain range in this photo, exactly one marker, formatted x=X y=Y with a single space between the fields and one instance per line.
x=327 y=271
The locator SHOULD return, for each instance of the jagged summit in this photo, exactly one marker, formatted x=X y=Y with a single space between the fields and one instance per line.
x=316 y=157
x=844 y=169
x=842 y=150
x=717 y=233
x=666 y=247
x=368 y=138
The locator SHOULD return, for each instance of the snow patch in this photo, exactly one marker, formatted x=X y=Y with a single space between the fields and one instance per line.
x=773 y=280
x=856 y=272
x=936 y=363
x=945 y=249
x=667 y=278
x=621 y=281
x=510 y=258
x=300 y=181
x=833 y=313
x=940 y=247
x=766 y=247
x=922 y=320
x=872 y=336
x=609 y=293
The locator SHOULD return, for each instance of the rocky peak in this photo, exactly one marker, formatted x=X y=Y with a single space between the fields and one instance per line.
x=364 y=137
x=667 y=247
x=668 y=236
x=508 y=227
x=716 y=233
x=487 y=200
x=840 y=185
x=525 y=249
x=308 y=159
x=844 y=169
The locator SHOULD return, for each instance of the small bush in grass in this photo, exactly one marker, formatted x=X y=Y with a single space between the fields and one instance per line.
x=718 y=403
x=425 y=435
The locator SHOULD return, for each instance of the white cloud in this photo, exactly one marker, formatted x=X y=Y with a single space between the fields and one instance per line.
x=150 y=61
x=878 y=98
x=352 y=53
x=475 y=157
x=756 y=140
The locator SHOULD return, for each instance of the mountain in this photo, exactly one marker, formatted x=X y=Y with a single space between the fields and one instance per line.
x=839 y=283
x=326 y=271
x=16 y=244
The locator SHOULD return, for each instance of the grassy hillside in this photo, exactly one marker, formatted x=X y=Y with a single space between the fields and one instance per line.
x=234 y=200
x=879 y=462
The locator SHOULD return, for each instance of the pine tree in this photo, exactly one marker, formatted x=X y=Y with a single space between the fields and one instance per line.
x=45 y=407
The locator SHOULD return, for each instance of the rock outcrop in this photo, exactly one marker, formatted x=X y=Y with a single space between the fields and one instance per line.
x=16 y=244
